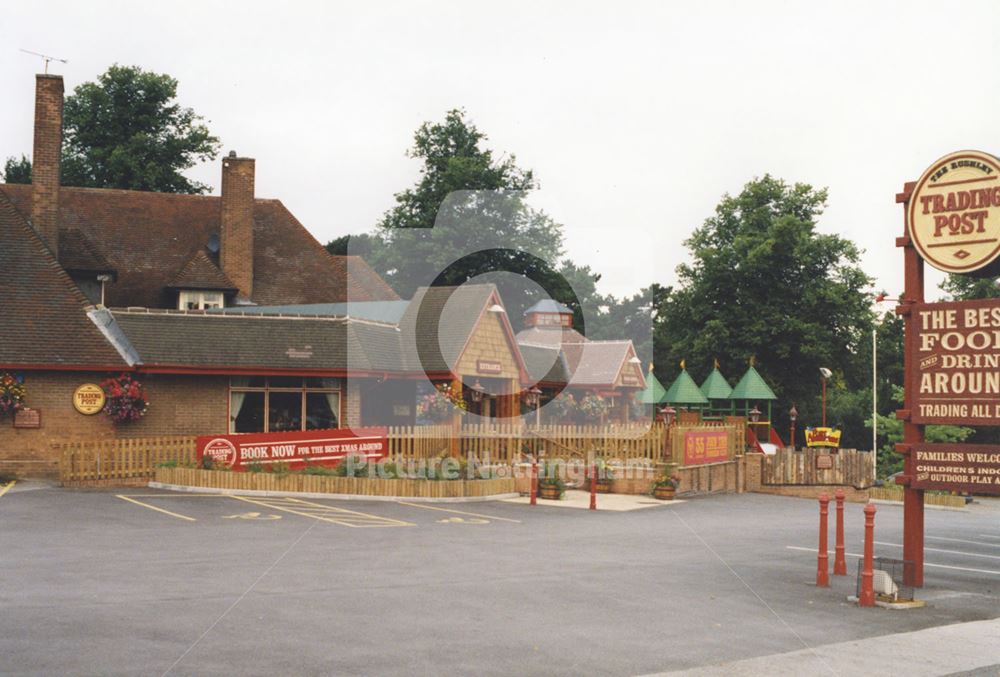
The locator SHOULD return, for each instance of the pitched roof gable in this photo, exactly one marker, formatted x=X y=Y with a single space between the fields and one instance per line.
x=149 y=237
x=44 y=314
x=201 y=273
x=684 y=391
x=752 y=387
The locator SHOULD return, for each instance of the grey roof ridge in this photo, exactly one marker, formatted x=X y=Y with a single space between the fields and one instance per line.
x=171 y=312
x=539 y=345
x=106 y=324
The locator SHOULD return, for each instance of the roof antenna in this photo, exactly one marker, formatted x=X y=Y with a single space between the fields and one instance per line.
x=46 y=57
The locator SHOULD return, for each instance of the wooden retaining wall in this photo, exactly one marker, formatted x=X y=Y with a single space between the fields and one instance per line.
x=323 y=484
x=849 y=467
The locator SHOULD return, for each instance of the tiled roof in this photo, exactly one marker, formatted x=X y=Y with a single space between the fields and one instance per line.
x=201 y=273
x=44 y=315
x=149 y=237
x=177 y=339
x=596 y=363
x=445 y=317
x=752 y=387
x=545 y=365
x=548 y=306
x=552 y=337
x=78 y=254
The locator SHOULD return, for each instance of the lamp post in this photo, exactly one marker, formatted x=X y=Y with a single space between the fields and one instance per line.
x=476 y=394
x=793 y=414
x=668 y=415
x=533 y=398
x=825 y=375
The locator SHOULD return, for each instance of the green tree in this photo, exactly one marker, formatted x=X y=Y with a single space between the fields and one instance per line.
x=126 y=131
x=966 y=288
x=764 y=282
x=17 y=171
x=469 y=200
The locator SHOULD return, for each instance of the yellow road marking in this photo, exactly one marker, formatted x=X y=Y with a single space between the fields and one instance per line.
x=153 y=507
x=327 y=513
x=7 y=487
x=459 y=512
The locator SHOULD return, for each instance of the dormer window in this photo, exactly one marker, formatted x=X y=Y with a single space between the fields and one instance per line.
x=200 y=300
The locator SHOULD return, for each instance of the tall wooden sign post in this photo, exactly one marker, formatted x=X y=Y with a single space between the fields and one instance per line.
x=952 y=350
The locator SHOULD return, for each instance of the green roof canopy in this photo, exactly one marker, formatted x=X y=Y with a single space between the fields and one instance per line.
x=716 y=387
x=654 y=392
x=684 y=391
x=752 y=387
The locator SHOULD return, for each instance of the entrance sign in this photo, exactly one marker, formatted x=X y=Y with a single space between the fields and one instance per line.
x=823 y=437
x=974 y=468
x=489 y=367
x=956 y=369
x=954 y=212
x=297 y=449
x=706 y=446
x=88 y=399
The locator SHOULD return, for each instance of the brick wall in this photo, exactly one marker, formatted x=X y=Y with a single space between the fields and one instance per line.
x=352 y=403
x=179 y=405
x=236 y=239
x=46 y=158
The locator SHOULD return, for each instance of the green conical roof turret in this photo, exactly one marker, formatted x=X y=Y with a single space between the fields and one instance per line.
x=716 y=387
x=654 y=392
x=684 y=390
x=752 y=387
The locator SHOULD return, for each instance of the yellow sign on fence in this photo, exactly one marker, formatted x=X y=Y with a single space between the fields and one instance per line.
x=822 y=437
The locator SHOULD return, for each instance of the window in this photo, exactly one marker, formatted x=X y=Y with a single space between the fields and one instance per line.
x=200 y=300
x=282 y=403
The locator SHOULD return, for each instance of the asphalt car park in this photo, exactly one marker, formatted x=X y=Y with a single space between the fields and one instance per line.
x=145 y=582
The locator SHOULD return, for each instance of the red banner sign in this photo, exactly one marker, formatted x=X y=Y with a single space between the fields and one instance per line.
x=297 y=449
x=956 y=373
x=706 y=446
x=973 y=468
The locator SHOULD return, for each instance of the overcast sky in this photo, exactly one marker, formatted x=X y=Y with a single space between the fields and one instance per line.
x=636 y=116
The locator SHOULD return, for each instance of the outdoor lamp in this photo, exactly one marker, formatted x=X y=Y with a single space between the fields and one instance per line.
x=793 y=413
x=477 y=391
x=533 y=396
x=668 y=414
x=755 y=414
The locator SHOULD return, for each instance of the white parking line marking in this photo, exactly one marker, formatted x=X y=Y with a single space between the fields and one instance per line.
x=153 y=507
x=962 y=540
x=459 y=512
x=950 y=552
x=325 y=513
x=926 y=564
x=990 y=536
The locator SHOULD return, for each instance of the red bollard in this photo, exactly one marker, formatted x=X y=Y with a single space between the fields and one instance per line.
x=867 y=596
x=534 y=483
x=839 y=563
x=823 y=559
x=593 y=487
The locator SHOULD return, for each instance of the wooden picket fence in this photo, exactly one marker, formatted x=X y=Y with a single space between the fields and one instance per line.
x=895 y=493
x=120 y=459
x=849 y=467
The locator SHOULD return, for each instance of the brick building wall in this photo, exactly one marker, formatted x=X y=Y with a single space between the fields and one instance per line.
x=236 y=241
x=179 y=405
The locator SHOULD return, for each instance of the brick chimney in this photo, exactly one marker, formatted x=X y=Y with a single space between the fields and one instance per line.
x=236 y=238
x=46 y=158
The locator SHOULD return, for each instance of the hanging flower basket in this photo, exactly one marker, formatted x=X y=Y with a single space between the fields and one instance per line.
x=12 y=392
x=439 y=406
x=126 y=399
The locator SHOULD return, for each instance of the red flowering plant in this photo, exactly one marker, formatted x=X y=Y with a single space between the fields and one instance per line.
x=126 y=399
x=439 y=405
x=12 y=392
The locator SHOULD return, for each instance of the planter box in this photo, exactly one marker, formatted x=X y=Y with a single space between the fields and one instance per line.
x=323 y=484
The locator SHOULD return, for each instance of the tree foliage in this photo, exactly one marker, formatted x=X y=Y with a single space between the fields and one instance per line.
x=17 y=170
x=765 y=283
x=966 y=288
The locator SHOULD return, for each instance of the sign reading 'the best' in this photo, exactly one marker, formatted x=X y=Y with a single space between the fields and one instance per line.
x=954 y=213
x=972 y=468
x=956 y=373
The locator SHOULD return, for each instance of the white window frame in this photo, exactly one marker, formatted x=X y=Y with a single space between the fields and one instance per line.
x=201 y=299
